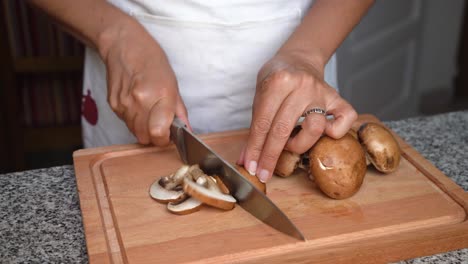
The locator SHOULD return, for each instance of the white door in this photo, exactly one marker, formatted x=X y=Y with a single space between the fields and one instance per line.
x=377 y=63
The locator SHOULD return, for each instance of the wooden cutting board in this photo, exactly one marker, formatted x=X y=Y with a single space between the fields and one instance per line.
x=412 y=212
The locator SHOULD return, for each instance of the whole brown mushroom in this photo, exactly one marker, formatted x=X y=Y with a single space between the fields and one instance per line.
x=338 y=166
x=381 y=147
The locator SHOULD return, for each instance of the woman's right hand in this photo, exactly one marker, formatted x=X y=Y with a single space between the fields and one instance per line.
x=142 y=87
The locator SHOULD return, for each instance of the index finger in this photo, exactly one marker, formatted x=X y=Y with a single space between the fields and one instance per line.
x=265 y=108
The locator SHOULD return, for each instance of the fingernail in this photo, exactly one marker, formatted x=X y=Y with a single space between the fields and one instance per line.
x=264 y=175
x=252 y=168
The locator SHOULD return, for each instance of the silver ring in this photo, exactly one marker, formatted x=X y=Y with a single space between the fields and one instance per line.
x=314 y=111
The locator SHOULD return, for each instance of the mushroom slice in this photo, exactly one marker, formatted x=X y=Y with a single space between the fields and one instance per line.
x=187 y=206
x=287 y=163
x=164 y=195
x=172 y=181
x=195 y=171
x=224 y=189
x=208 y=196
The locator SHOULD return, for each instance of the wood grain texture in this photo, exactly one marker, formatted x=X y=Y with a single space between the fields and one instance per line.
x=414 y=211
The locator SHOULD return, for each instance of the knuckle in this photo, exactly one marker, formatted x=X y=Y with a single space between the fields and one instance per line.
x=281 y=76
x=269 y=158
x=139 y=93
x=276 y=79
x=261 y=126
x=113 y=103
x=314 y=129
x=125 y=102
x=281 y=129
x=254 y=151
x=309 y=80
x=157 y=132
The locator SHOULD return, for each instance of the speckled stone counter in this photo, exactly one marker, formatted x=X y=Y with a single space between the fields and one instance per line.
x=40 y=219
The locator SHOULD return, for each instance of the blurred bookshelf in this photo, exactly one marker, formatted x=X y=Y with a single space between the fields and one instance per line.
x=41 y=90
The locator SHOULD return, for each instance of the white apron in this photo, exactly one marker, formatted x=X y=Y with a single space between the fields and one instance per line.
x=215 y=48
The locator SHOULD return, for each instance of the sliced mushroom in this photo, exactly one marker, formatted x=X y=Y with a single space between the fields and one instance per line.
x=224 y=189
x=195 y=171
x=208 y=196
x=211 y=184
x=185 y=206
x=172 y=181
x=253 y=179
x=164 y=195
x=287 y=163
x=382 y=149
x=338 y=166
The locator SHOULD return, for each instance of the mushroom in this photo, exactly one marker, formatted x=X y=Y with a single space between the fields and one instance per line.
x=224 y=189
x=194 y=171
x=172 y=181
x=338 y=166
x=187 y=205
x=287 y=163
x=163 y=195
x=207 y=194
x=252 y=178
x=381 y=148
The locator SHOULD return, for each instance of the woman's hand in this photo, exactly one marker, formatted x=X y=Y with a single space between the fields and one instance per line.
x=142 y=88
x=287 y=86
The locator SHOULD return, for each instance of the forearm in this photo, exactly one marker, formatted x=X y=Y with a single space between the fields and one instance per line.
x=324 y=28
x=95 y=22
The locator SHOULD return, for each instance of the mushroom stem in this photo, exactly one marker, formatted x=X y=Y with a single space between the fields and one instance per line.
x=195 y=172
x=287 y=163
x=170 y=182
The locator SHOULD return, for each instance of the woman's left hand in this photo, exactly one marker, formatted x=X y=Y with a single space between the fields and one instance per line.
x=287 y=86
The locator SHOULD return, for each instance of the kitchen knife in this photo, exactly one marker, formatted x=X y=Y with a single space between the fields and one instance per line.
x=193 y=151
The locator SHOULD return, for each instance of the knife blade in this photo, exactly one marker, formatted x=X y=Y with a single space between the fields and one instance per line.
x=193 y=151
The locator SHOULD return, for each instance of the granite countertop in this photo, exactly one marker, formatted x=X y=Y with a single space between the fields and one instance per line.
x=40 y=218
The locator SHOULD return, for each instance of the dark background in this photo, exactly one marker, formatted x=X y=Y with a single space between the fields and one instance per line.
x=41 y=89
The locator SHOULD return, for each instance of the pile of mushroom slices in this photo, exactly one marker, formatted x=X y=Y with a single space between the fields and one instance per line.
x=338 y=166
x=186 y=190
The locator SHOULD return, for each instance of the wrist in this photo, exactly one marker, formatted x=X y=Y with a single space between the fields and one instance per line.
x=113 y=34
x=314 y=59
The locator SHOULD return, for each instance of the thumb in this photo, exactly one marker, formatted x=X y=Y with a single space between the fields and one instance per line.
x=181 y=113
x=160 y=120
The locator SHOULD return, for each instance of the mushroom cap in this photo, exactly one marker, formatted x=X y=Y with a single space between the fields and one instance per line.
x=338 y=166
x=287 y=163
x=381 y=147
